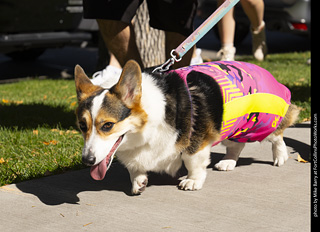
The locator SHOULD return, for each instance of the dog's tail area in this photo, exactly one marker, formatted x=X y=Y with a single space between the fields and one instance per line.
x=289 y=119
x=292 y=115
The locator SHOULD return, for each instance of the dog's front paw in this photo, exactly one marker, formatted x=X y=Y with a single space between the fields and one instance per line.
x=139 y=184
x=226 y=165
x=190 y=184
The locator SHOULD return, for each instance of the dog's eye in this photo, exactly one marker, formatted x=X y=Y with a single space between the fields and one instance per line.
x=107 y=126
x=83 y=127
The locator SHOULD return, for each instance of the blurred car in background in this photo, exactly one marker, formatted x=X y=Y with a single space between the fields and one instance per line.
x=28 y=28
x=290 y=16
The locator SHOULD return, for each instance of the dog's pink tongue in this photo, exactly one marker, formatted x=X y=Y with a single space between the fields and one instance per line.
x=98 y=171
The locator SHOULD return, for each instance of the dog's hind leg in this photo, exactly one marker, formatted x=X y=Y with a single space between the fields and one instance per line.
x=196 y=165
x=279 y=149
x=229 y=161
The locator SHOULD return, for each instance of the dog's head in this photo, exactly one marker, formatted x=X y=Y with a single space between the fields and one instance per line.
x=105 y=116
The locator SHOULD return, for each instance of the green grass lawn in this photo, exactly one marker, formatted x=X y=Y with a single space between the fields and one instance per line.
x=38 y=133
x=292 y=70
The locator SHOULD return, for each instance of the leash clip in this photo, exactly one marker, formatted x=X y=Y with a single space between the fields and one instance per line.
x=166 y=65
x=174 y=56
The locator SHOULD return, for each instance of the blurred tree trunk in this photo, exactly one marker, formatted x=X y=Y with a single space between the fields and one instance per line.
x=150 y=41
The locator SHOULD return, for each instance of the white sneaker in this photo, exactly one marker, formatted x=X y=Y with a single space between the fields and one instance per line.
x=198 y=59
x=107 y=77
x=227 y=53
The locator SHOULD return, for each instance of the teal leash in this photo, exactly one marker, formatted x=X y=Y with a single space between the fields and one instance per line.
x=188 y=43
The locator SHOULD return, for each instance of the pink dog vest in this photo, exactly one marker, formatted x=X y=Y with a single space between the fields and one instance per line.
x=254 y=102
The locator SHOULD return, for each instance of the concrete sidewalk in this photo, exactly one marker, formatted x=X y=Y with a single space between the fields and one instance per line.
x=254 y=197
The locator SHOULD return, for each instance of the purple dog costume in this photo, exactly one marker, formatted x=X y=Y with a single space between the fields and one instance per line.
x=254 y=102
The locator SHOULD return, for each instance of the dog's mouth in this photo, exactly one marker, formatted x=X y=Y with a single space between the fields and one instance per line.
x=99 y=171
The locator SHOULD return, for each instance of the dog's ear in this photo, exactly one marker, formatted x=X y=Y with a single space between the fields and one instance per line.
x=83 y=84
x=129 y=86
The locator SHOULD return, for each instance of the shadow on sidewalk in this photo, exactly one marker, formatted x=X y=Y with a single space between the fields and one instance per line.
x=64 y=188
x=303 y=149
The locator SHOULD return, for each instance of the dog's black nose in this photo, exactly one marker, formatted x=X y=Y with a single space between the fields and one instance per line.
x=89 y=160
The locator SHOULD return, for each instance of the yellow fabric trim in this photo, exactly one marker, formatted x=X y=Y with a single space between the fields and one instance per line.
x=253 y=103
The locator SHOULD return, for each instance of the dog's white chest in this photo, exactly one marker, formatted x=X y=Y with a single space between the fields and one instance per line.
x=159 y=154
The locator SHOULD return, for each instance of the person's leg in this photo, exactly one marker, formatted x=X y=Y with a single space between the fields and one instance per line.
x=120 y=40
x=226 y=28
x=114 y=62
x=254 y=9
x=114 y=19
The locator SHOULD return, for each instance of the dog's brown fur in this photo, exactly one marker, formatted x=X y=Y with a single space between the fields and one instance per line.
x=289 y=119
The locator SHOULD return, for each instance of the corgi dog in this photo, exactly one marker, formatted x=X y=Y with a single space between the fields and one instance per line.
x=156 y=122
